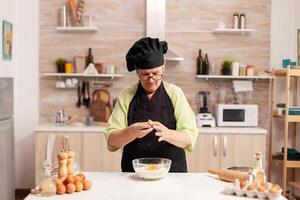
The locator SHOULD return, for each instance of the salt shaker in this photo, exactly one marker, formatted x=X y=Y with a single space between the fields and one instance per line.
x=235 y=20
x=242 y=21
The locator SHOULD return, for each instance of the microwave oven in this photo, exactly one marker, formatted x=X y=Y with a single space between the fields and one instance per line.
x=237 y=114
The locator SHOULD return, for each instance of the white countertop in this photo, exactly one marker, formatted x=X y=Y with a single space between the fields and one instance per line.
x=69 y=128
x=101 y=128
x=233 y=130
x=116 y=186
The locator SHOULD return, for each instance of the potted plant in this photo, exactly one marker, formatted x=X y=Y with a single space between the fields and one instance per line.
x=60 y=64
x=226 y=67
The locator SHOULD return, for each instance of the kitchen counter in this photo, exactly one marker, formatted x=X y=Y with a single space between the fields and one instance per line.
x=101 y=128
x=69 y=128
x=116 y=186
x=233 y=130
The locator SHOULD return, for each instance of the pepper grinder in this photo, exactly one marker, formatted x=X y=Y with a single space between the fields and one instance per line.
x=63 y=159
x=70 y=165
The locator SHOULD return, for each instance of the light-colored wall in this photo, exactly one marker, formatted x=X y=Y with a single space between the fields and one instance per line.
x=27 y=84
x=189 y=26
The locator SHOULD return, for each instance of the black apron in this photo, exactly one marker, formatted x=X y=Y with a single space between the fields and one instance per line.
x=159 y=108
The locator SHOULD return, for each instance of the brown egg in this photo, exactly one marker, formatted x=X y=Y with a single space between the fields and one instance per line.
x=276 y=186
x=87 y=185
x=251 y=187
x=261 y=188
x=82 y=176
x=264 y=184
x=79 y=186
x=71 y=188
x=78 y=178
x=273 y=190
x=242 y=184
x=58 y=181
x=69 y=179
x=60 y=189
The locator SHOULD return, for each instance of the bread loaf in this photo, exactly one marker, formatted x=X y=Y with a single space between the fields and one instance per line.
x=72 y=12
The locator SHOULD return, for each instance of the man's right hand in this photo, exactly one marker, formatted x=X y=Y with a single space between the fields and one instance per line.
x=140 y=129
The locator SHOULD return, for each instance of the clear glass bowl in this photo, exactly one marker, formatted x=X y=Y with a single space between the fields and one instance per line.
x=151 y=168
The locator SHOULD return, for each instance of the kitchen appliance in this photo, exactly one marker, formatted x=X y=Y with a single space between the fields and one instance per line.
x=7 y=180
x=237 y=114
x=205 y=118
x=156 y=26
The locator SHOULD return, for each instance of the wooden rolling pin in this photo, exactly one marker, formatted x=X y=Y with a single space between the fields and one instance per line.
x=230 y=175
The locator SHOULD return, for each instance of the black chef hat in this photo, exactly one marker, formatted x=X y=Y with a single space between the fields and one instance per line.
x=146 y=53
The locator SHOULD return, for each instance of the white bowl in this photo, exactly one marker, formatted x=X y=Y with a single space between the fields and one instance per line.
x=151 y=168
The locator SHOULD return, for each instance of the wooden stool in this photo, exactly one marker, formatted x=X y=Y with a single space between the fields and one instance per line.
x=294 y=186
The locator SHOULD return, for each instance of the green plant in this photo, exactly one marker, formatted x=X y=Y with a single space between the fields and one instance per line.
x=60 y=62
x=226 y=65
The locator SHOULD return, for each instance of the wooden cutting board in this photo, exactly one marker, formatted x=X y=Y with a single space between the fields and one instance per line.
x=100 y=107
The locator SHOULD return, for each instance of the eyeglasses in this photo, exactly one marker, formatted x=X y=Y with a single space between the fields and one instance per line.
x=145 y=77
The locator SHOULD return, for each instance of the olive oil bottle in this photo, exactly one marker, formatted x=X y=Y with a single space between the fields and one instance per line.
x=258 y=174
x=199 y=63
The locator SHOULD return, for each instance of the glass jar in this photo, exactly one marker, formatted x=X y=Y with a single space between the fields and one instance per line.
x=88 y=21
x=250 y=70
x=47 y=186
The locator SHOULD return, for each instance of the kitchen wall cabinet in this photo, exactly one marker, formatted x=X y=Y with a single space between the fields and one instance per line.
x=220 y=151
x=90 y=148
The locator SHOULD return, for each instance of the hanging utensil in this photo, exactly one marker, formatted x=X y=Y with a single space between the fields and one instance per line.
x=83 y=93
x=78 y=104
x=88 y=100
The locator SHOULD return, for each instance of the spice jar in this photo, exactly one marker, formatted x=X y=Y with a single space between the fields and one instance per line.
x=242 y=21
x=68 y=68
x=235 y=20
x=88 y=21
x=250 y=70
x=242 y=70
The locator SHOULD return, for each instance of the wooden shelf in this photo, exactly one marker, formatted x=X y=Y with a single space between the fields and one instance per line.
x=291 y=118
x=289 y=163
x=290 y=135
x=283 y=72
x=232 y=31
x=233 y=77
x=78 y=29
x=79 y=75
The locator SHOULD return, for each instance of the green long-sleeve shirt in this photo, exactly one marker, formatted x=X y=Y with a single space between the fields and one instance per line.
x=184 y=115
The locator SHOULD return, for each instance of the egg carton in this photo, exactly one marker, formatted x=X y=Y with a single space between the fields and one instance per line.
x=235 y=189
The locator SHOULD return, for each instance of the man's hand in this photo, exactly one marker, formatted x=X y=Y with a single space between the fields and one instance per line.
x=162 y=132
x=140 y=129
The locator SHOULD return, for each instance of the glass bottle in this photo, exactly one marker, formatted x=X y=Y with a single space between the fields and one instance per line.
x=258 y=174
x=205 y=65
x=47 y=186
x=90 y=58
x=199 y=63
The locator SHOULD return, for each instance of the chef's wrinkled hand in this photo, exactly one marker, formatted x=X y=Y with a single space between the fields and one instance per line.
x=161 y=131
x=140 y=129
